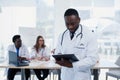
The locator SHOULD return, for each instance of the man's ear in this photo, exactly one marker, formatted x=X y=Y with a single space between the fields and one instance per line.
x=79 y=19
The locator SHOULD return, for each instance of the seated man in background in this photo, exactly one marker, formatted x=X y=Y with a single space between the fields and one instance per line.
x=22 y=53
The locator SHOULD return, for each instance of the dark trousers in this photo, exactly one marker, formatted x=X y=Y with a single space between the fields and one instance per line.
x=12 y=72
x=44 y=72
x=95 y=73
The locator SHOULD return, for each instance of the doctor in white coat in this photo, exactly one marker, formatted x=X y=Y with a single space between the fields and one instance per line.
x=78 y=40
x=22 y=52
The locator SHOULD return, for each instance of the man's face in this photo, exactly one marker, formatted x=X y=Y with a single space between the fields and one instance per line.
x=18 y=43
x=72 y=22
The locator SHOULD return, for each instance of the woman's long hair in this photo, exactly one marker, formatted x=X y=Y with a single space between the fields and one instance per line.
x=36 y=46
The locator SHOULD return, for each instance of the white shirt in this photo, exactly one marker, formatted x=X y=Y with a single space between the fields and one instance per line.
x=85 y=49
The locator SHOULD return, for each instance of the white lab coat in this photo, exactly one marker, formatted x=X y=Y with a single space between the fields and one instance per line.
x=85 y=49
x=23 y=51
x=42 y=52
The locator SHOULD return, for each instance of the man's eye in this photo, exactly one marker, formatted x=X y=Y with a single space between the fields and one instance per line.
x=67 y=24
x=70 y=23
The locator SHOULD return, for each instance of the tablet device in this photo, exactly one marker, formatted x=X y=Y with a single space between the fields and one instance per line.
x=70 y=57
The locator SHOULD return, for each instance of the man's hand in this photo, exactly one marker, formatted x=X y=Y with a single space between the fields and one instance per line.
x=65 y=63
x=21 y=58
x=39 y=58
x=43 y=58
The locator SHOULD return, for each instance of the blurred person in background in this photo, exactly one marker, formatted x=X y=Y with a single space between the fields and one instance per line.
x=40 y=52
x=22 y=53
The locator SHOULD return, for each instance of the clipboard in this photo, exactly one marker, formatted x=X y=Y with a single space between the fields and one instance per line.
x=70 y=57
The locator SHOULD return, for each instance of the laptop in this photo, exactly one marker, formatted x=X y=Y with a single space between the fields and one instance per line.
x=14 y=60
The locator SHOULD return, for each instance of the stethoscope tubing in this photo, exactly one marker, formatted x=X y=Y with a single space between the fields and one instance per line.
x=76 y=36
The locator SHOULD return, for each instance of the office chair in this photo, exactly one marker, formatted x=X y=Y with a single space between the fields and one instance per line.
x=114 y=72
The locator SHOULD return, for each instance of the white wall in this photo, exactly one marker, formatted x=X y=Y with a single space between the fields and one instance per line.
x=60 y=7
x=17 y=3
x=11 y=18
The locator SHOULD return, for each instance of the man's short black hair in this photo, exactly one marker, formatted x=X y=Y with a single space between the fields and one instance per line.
x=70 y=12
x=15 y=37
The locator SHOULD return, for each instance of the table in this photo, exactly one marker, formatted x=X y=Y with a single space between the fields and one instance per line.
x=103 y=64
x=33 y=65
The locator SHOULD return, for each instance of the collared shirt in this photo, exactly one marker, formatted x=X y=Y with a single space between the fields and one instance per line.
x=17 y=49
x=72 y=33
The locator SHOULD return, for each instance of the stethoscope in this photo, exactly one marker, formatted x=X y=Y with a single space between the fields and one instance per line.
x=79 y=34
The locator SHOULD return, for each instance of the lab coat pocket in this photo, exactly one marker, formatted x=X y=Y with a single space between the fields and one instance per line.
x=80 y=48
x=82 y=76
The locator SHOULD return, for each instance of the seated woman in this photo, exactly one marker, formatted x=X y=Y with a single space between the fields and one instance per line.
x=42 y=53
